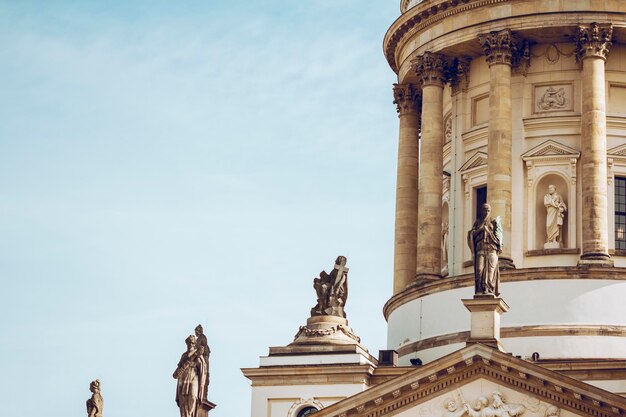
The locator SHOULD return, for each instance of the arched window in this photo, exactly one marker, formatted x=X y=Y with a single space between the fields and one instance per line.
x=307 y=411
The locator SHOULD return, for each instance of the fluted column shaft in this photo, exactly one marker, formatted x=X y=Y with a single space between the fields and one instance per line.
x=593 y=46
x=430 y=68
x=407 y=101
x=498 y=50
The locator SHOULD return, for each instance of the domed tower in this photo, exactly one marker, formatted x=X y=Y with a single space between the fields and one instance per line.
x=521 y=104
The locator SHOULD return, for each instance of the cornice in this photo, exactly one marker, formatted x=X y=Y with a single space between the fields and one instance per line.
x=431 y=12
x=538 y=330
x=422 y=289
x=469 y=364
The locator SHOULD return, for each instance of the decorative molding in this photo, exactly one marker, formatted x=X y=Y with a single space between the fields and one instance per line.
x=499 y=47
x=539 y=330
x=430 y=68
x=488 y=364
x=593 y=41
x=553 y=97
x=459 y=75
x=478 y=160
x=553 y=53
x=516 y=275
x=407 y=99
x=302 y=403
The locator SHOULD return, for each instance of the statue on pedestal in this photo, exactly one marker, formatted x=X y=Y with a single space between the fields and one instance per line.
x=192 y=377
x=332 y=290
x=556 y=208
x=96 y=402
x=485 y=242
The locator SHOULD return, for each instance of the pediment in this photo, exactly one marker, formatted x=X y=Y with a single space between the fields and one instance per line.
x=475 y=161
x=617 y=151
x=471 y=373
x=550 y=149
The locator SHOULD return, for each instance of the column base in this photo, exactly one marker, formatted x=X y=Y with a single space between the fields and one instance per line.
x=587 y=262
x=485 y=312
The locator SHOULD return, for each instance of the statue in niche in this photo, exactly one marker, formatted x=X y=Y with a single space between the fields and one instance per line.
x=448 y=130
x=96 y=402
x=445 y=229
x=556 y=208
x=485 y=242
x=497 y=408
x=332 y=290
x=552 y=99
x=192 y=376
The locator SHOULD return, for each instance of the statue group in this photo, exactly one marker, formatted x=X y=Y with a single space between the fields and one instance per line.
x=332 y=290
x=482 y=407
x=485 y=242
x=192 y=374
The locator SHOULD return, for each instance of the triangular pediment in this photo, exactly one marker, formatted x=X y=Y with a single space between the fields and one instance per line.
x=475 y=161
x=474 y=372
x=550 y=148
x=617 y=151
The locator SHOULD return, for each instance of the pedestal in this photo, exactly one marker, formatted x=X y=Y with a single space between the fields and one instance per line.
x=325 y=330
x=205 y=407
x=485 y=320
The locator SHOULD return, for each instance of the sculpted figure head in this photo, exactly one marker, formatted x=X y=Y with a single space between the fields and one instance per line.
x=498 y=399
x=341 y=260
x=190 y=341
x=94 y=386
x=485 y=211
x=450 y=405
x=551 y=189
x=553 y=411
x=199 y=330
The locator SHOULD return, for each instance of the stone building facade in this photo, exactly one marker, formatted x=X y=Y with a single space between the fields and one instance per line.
x=521 y=104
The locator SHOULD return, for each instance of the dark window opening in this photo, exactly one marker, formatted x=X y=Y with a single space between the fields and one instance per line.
x=620 y=213
x=307 y=411
x=481 y=198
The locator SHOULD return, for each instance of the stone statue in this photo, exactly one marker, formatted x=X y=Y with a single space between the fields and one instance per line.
x=201 y=341
x=191 y=375
x=445 y=229
x=332 y=290
x=497 y=408
x=556 y=208
x=485 y=242
x=96 y=402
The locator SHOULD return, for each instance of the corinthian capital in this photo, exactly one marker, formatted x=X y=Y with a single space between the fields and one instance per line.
x=431 y=68
x=593 y=41
x=499 y=47
x=406 y=98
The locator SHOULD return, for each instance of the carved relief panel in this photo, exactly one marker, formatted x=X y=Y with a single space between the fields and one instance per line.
x=553 y=97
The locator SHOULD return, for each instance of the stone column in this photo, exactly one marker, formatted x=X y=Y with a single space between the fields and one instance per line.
x=498 y=48
x=430 y=69
x=407 y=101
x=592 y=49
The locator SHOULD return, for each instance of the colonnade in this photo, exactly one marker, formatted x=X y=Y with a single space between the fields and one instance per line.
x=418 y=229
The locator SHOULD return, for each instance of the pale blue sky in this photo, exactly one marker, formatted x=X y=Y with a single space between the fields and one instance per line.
x=168 y=163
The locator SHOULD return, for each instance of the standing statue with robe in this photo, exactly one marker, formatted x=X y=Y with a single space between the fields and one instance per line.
x=485 y=242
x=555 y=214
x=191 y=375
x=96 y=403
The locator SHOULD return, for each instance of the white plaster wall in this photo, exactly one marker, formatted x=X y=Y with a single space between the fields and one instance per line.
x=541 y=302
x=276 y=401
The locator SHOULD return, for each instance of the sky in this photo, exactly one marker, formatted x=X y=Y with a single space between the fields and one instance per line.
x=169 y=163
